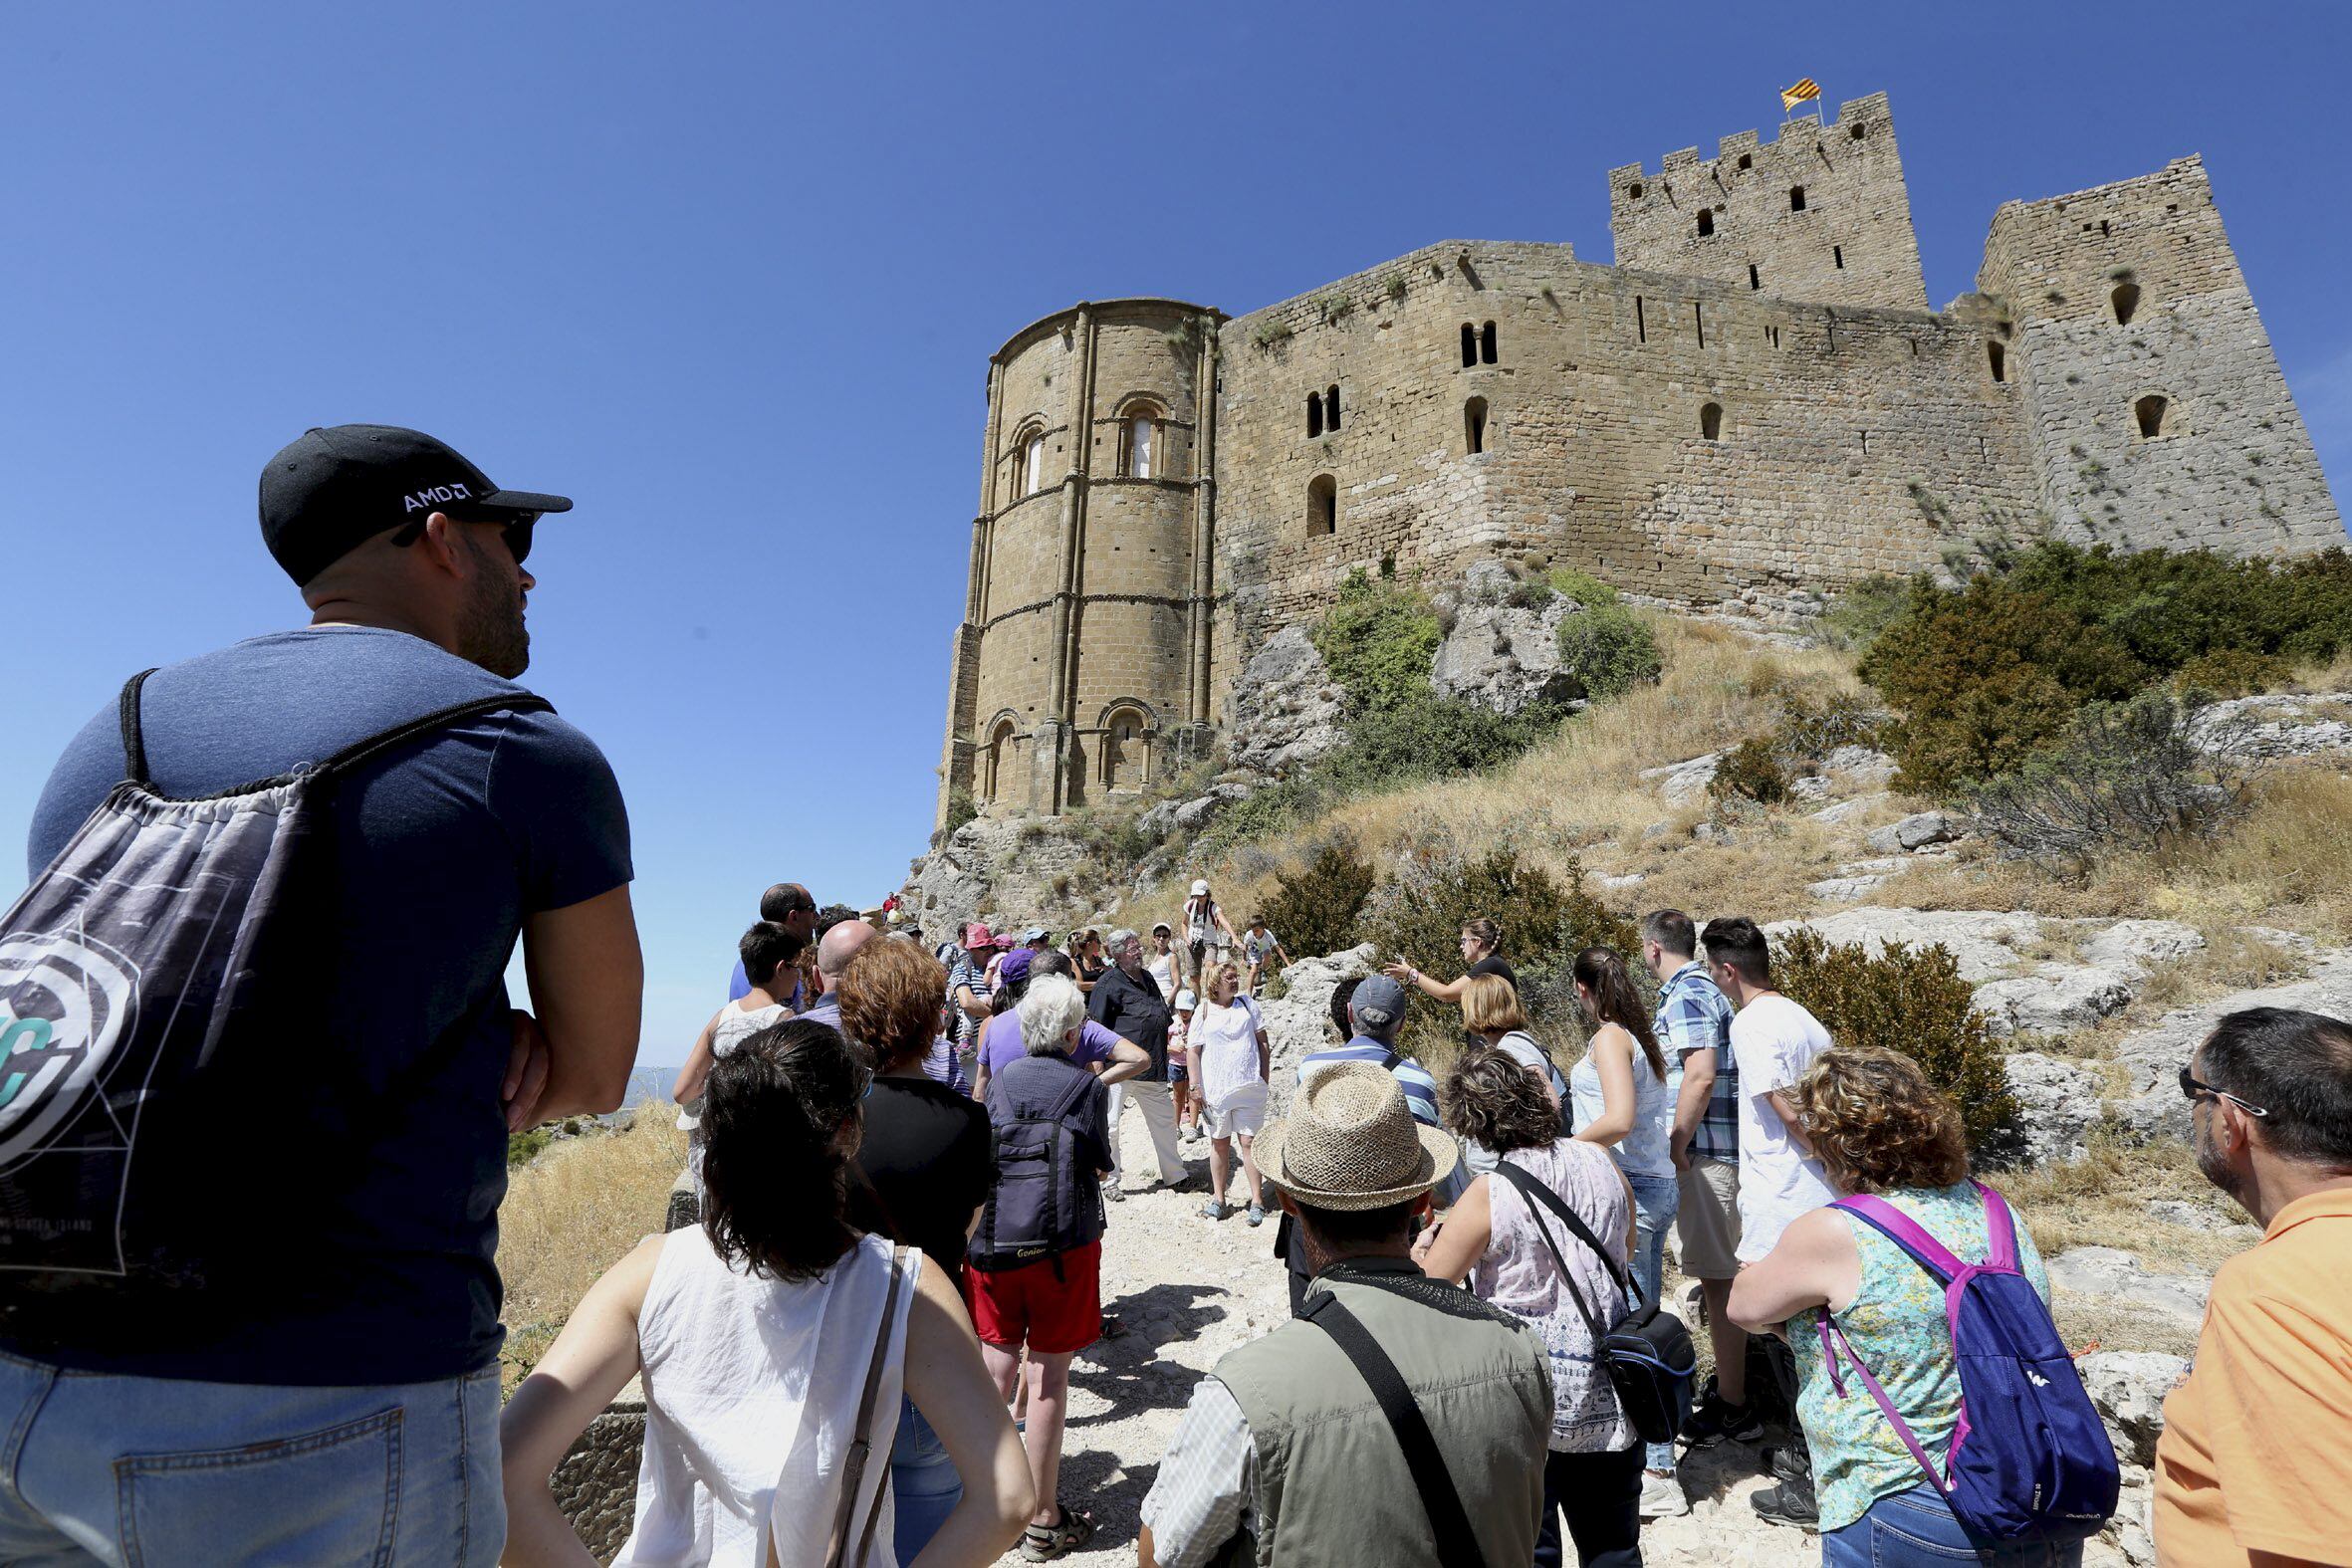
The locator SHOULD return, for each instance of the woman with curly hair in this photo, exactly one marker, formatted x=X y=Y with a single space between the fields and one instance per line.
x=1496 y=1238
x=1877 y=1125
x=756 y=1331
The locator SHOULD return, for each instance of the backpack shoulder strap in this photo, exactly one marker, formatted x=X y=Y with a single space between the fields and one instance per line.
x=135 y=746
x=1528 y=1187
x=1388 y=1064
x=1906 y=1232
x=1536 y=1192
x=2000 y=1231
x=1457 y=1545
x=504 y=702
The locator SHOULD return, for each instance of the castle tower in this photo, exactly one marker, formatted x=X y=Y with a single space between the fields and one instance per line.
x=2156 y=414
x=1080 y=669
x=1821 y=214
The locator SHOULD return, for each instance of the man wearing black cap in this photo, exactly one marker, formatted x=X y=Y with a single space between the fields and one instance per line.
x=372 y=1366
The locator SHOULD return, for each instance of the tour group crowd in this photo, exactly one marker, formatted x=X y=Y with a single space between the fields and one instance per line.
x=905 y=1149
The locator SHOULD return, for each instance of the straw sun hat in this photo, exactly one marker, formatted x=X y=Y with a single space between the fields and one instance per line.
x=1350 y=1142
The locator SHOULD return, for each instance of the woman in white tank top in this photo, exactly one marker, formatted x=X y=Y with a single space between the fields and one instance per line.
x=756 y=1333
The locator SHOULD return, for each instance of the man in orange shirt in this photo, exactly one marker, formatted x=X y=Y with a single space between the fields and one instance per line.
x=2256 y=1462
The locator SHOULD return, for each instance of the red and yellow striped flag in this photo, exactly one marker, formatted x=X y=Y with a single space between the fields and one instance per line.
x=1805 y=92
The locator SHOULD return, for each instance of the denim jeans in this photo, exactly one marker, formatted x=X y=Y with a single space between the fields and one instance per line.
x=1917 y=1529
x=1655 y=1199
x=128 y=1470
x=924 y=1485
x=1601 y=1495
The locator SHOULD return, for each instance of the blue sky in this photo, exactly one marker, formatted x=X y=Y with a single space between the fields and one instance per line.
x=730 y=275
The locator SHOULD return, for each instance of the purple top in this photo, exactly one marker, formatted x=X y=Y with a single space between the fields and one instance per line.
x=1004 y=1043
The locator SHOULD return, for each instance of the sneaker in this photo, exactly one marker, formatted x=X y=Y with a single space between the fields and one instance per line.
x=1257 y=1213
x=1662 y=1496
x=1717 y=1418
x=1113 y=1193
x=1784 y=1504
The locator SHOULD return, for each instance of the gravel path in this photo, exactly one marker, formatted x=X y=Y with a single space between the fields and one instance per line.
x=1189 y=1290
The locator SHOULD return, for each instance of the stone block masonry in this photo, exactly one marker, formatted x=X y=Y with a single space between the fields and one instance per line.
x=1753 y=404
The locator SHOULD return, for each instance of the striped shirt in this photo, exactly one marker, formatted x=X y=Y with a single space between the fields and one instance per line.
x=1694 y=1015
x=1420 y=1094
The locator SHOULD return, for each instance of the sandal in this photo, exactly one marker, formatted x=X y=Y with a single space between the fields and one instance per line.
x=1213 y=1208
x=1042 y=1543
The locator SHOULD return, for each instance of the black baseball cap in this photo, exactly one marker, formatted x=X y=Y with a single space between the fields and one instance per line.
x=337 y=486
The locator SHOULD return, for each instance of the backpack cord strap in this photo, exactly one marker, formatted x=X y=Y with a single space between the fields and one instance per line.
x=1457 y=1544
x=1886 y=1405
x=135 y=746
x=509 y=702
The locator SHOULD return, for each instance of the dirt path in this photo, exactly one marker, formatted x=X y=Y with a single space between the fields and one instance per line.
x=1189 y=1290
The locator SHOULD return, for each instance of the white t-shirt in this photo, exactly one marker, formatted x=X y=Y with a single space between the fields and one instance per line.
x=1258 y=947
x=1224 y=1042
x=1774 y=1040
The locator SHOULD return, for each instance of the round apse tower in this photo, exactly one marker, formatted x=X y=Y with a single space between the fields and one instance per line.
x=1080 y=669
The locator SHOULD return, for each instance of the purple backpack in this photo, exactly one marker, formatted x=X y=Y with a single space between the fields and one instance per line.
x=2030 y=1458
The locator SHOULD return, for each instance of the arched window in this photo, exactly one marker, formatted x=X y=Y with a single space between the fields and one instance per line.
x=1473 y=426
x=1323 y=506
x=2149 y=411
x=1126 y=749
x=1033 y=464
x=1998 y=358
x=1706 y=222
x=1331 y=408
x=1469 y=345
x=1796 y=198
x=1000 y=751
x=1314 y=416
x=1139 y=439
x=2126 y=299
x=1485 y=343
x=1711 y=422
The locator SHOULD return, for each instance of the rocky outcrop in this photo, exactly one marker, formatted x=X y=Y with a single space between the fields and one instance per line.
x=2155 y=1055
x=1299 y=1021
x=2128 y=1387
x=2057 y=1106
x=1915 y=831
x=1286 y=709
x=1684 y=783
x=1502 y=646
x=997 y=868
x=2120 y=1280
x=596 y=1483
x=2266 y=727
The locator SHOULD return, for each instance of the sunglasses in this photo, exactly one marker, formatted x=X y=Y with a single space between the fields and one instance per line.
x=2190 y=1088
x=514 y=532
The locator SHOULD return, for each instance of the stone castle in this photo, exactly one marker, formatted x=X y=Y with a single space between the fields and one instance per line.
x=1753 y=404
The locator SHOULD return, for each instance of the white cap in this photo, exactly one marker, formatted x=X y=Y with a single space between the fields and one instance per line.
x=1200 y=887
x=1186 y=1002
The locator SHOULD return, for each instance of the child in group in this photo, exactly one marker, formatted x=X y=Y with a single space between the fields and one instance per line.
x=1259 y=945
x=1231 y=1059
x=1188 y=1106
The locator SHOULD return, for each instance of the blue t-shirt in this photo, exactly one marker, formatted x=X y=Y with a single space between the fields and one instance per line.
x=440 y=851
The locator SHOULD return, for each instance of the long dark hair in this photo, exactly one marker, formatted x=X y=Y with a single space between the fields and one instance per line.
x=1615 y=1000
x=773 y=1170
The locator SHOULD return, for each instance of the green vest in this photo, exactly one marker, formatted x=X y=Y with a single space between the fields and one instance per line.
x=1331 y=1484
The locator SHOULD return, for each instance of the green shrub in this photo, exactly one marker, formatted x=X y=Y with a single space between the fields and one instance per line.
x=1608 y=650
x=1751 y=771
x=1378 y=640
x=1907 y=1000
x=1316 y=908
x=523 y=1147
x=1584 y=588
x=2231 y=672
x=1810 y=727
x=1862 y=612
x=960 y=808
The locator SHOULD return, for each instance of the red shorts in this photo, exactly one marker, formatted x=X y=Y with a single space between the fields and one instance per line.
x=1028 y=1304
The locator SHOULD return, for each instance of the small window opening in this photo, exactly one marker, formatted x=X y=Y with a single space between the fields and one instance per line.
x=1796 y=198
x=1469 y=345
x=1745 y=161
x=1914 y=347
x=1854 y=132
x=1315 y=416
x=1865 y=443
x=1774 y=332
x=1999 y=359
x=1138 y=435
x=1754 y=281
x=1706 y=222
x=1485 y=343
x=1331 y=408
x=1633 y=192
x=1711 y=422
x=1473 y=426
x=1837 y=253
x=1641 y=328
x=2104 y=230
x=2126 y=299
x=1323 y=506
x=1698 y=318
x=2150 y=411
x=1033 y=465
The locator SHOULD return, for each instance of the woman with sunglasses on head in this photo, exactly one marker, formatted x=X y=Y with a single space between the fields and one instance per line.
x=760 y=1333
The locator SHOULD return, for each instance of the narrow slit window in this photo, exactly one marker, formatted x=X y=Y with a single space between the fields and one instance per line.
x=1315 y=416
x=1473 y=426
x=2126 y=299
x=1796 y=198
x=1699 y=320
x=1485 y=343
x=1837 y=253
x=1469 y=345
x=2149 y=411
x=1999 y=359
x=1706 y=222
x=1323 y=506
x=1641 y=328
x=1711 y=422
x=1331 y=408
x=1755 y=281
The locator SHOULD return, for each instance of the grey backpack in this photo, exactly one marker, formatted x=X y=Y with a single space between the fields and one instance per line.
x=1042 y=1204
x=160 y=996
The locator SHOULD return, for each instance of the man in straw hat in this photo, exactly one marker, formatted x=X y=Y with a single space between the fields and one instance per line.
x=1285 y=1449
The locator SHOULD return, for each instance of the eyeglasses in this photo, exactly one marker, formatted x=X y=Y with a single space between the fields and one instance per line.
x=868 y=1091
x=2190 y=1088
x=515 y=533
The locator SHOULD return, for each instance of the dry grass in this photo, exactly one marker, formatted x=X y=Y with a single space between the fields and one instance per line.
x=570 y=1214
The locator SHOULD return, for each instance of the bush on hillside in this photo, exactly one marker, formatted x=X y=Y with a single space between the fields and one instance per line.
x=1812 y=727
x=1378 y=640
x=2168 y=608
x=1585 y=589
x=2231 y=672
x=1317 y=907
x=1418 y=913
x=1986 y=677
x=1906 y=1000
x=1752 y=770
x=1608 y=650
x=2127 y=778
x=1862 y=612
